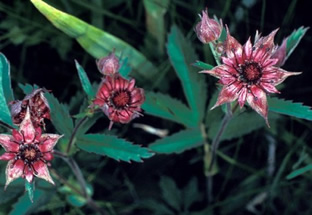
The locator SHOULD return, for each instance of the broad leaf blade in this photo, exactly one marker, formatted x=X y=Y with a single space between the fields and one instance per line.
x=164 y=106
x=118 y=149
x=294 y=39
x=289 y=108
x=6 y=78
x=182 y=54
x=96 y=42
x=178 y=142
x=5 y=114
x=86 y=85
x=60 y=116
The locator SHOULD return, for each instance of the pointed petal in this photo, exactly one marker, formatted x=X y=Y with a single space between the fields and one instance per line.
x=276 y=75
x=27 y=128
x=49 y=141
x=17 y=136
x=232 y=47
x=131 y=85
x=257 y=100
x=48 y=156
x=42 y=171
x=228 y=94
x=280 y=54
x=221 y=71
x=267 y=42
x=7 y=144
x=14 y=172
x=247 y=50
x=242 y=97
x=29 y=175
x=7 y=156
x=269 y=88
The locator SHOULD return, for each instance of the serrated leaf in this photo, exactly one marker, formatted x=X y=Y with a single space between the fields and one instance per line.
x=171 y=193
x=6 y=78
x=181 y=55
x=113 y=147
x=60 y=116
x=299 y=172
x=86 y=85
x=25 y=206
x=191 y=194
x=289 y=108
x=27 y=88
x=5 y=114
x=161 y=105
x=203 y=65
x=96 y=42
x=238 y=126
x=178 y=142
x=294 y=39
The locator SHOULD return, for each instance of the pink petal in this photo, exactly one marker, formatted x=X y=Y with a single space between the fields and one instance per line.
x=131 y=85
x=48 y=156
x=242 y=96
x=7 y=144
x=228 y=94
x=257 y=100
x=7 y=156
x=221 y=71
x=269 y=62
x=232 y=47
x=13 y=173
x=49 y=141
x=276 y=75
x=29 y=175
x=42 y=171
x=269 y=88
x=280 y=54
x=98 y=101
x=247 y=49
x=266 y=43
x=27 y=128
x=17 y=136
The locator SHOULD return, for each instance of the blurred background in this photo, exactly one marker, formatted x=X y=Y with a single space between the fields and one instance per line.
x=245 y=183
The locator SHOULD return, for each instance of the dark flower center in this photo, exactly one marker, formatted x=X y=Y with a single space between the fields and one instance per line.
x=29 y=153
x=121 y=99
x=250 y=72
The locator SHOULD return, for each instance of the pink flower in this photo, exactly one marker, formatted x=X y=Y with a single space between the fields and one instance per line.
x=38 y=107
x=28 y=152
x=119 y=99
x=207 y=29
x=248 y=73
x=280 y=54
x=108 y=65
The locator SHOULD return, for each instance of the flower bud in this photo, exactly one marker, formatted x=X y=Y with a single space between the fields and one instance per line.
x=108 y=65
x=207 y=29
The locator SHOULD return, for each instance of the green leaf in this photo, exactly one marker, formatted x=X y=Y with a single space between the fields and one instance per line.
x=96 y=42
x=239 y=125
x=164 y=106
x=294 y=39
x=6 y=78
x=29 y=187
x=76 y=200
x=155 y=22
x=118 y=149
x=299 y=172
x=171 y=193
x=178 y=142
x=5 y=114
x=27 y=88
x=25 y=206
x=60 y=116
x=289 y=108
x=203 y=65
x=125 y=69
x=86 y=85
x=182 y=54
x=191 y=194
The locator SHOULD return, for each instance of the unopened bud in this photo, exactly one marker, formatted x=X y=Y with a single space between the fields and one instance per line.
x=207 y=29
x=108 y=65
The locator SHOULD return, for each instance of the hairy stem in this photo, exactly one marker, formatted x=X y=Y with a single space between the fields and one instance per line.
x=71 y=140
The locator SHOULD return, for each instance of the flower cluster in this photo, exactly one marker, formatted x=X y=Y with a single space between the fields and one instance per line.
x=251 y=71
x=27 y=150
x=118 y=97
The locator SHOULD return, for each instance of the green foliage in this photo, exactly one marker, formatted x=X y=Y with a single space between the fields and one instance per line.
x=60 y=116
x=164 y=106
x=86 y=85
x=203 y=65
x=294 y=39
x=93 y=40
x=299 y=172
x=178 y=142
x=181 y=54
x=118 y=149
x=170 y=192
x=289 y=108
x=29 y=187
